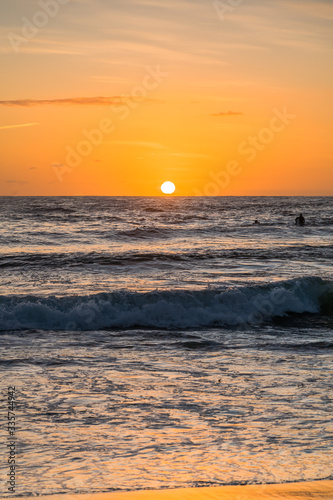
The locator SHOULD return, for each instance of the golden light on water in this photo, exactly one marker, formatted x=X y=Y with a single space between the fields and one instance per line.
x=168 y=187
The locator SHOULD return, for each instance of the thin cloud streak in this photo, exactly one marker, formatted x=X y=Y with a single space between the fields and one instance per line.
x=19 y=126
x=16 y=182
x=144 y=144
x=185 y=155
x=82 y=101
x=228 y=113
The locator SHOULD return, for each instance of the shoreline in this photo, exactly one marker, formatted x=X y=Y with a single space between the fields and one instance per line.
x=321 y=489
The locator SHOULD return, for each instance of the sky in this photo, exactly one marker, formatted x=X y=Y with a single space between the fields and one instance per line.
x=115 y=97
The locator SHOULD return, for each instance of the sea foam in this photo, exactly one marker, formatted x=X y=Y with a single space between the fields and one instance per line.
x=178 y=309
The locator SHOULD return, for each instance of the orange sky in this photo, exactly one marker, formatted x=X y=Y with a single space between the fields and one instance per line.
x=114 y=98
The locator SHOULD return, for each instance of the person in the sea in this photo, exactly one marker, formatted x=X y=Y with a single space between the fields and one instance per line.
x=256 y=222
x=300 y=221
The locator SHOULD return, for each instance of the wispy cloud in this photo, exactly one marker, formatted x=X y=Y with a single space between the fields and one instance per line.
x=18 y=126
x=142 y=144
x=16 y=182
x=228 y=113
x=90 y=101
x=189 y=155
x=184 y=155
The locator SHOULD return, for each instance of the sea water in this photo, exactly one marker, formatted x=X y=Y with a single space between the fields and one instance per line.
x=166 y=342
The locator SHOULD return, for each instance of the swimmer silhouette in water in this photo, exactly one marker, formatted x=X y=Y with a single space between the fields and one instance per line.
x=300 y=221
x=256 y=222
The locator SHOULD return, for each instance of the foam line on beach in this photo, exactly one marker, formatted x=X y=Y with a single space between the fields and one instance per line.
x=322 y=490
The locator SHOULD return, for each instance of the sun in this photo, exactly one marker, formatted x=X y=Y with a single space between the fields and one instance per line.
x=168 y=187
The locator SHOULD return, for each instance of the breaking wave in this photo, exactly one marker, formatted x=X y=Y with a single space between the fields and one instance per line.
x=178 y=309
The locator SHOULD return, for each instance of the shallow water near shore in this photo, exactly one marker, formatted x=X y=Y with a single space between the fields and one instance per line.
x=151 y=409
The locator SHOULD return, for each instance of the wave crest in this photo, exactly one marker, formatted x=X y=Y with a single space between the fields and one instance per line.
x=179 y=309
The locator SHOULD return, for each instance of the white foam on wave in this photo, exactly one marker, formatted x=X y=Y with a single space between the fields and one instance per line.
x=166 y=309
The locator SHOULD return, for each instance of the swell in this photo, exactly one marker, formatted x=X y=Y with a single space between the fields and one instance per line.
x=134 y=257
x=178 y=309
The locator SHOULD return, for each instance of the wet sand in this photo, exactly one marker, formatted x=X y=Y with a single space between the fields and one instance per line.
x=292 y=491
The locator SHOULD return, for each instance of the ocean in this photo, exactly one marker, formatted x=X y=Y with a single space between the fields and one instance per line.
x=166 y=342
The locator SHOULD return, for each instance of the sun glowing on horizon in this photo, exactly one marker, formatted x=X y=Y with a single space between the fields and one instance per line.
x=168 y=187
